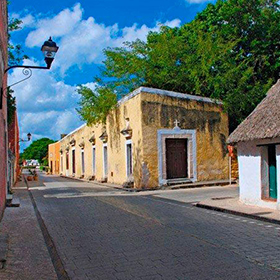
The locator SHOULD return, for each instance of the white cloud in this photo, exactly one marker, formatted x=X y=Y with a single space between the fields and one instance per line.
x=46 y=104
x=81 y=40
x=27 y=19
x=57 y=26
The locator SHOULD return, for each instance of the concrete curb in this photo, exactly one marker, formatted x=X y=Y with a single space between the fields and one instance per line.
x=56 y=260
x=237 y=213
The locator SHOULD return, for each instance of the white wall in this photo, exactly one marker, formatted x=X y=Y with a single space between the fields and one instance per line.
x=249 y=162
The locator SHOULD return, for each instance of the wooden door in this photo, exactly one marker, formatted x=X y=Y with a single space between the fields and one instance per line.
x=176 y=158
x=272 y=172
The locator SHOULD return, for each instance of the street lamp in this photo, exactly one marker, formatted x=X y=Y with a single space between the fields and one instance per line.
x=28 y=138
x=49 y=50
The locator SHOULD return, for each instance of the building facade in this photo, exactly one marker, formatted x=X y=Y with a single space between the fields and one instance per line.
x=152 y=138
x=13 y=153
x=54 y=158
x=3 y=105
x=257 y=140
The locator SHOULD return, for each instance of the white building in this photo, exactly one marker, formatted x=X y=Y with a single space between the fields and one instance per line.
x=258 y=147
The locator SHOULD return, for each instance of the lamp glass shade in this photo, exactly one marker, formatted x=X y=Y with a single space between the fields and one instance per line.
x=49 y=48
x=29 y=136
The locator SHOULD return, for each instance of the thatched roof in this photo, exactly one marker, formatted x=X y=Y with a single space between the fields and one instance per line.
x=263 y=122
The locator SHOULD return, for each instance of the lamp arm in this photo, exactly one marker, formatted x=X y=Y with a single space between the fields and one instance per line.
x=26 y=66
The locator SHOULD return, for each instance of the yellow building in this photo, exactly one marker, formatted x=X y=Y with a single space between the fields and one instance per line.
x=153 y=138
x=54 y=158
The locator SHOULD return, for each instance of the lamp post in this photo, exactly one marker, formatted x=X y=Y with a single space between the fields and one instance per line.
x=28 y=138
x=49 y=50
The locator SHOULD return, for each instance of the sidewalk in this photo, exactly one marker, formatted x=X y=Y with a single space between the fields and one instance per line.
x=232 y=205
x=169 y=187
x=28 y=257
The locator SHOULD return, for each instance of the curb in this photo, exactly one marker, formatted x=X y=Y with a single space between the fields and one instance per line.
x=55 y=258
x=237 y=213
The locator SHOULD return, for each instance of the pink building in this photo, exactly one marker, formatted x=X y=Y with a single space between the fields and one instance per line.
x=3 y=105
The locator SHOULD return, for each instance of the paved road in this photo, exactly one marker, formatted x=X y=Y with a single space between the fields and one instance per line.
x=103 y=233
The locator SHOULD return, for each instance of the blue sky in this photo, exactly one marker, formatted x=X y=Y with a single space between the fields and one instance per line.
x=47 y=101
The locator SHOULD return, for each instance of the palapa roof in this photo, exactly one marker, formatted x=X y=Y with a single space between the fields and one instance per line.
x=263 y=122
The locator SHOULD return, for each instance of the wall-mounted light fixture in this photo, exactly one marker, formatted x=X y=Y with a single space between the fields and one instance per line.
x=49 y=50
x=28 y=138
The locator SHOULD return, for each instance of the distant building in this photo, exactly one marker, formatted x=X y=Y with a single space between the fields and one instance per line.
x=258 y=146
x=31 y=162
x=153 y=138
x=54 y=158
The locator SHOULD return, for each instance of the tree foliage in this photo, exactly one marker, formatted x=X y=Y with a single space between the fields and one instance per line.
x=95 y=105
x=11 y=105
x=37 y=150
x=230 y=51
x=15 y=56
x=15 y=52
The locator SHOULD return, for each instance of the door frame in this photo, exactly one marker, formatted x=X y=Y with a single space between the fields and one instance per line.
x=272 y=165
x=105 y=162
x=190 y=135
x=128 y=142
x=73 y=164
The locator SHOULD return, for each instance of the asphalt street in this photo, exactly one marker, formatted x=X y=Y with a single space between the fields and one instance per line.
x=104 y=233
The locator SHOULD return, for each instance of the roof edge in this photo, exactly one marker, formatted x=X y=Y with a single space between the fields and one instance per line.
x=169 y=94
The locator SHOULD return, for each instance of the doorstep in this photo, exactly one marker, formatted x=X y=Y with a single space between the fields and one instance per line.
x=232 y=205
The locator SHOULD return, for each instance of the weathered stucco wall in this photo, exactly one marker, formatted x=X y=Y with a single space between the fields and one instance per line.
x=144 y=114
x=207 y=119
x=117 y=120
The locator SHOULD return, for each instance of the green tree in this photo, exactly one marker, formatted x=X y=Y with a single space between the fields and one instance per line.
x=95 y=105
x=11 y=105
x=15 y=52
x=230 y=51
x=15 y=56
x=37 y=150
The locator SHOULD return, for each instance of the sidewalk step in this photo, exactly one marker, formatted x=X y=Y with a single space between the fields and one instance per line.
x=13 y=203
